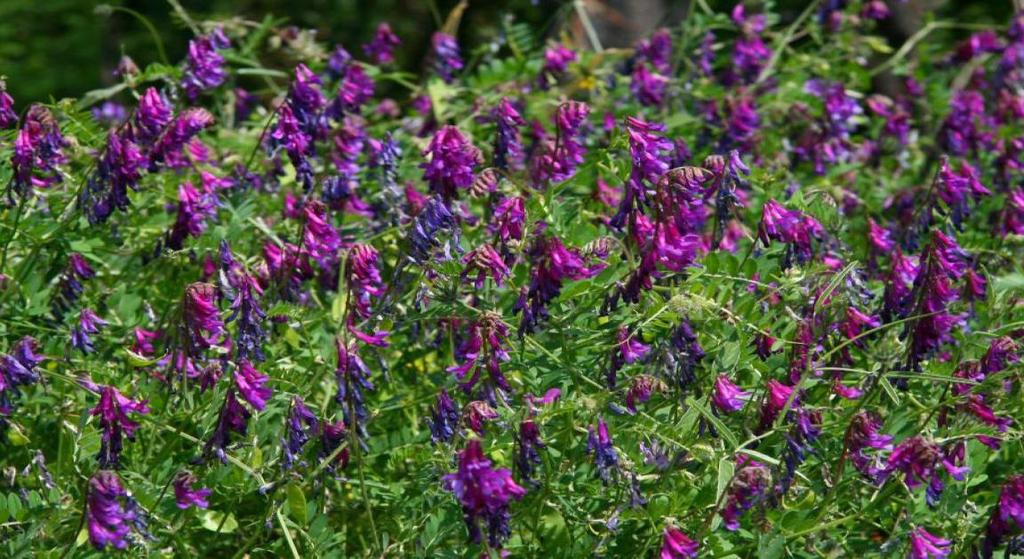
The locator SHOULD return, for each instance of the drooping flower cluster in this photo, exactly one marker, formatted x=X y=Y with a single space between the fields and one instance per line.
x=112 y=410
x=485 y=494
x=204 y=66
x=559 y=157
x=111 y=514
x=17 y=370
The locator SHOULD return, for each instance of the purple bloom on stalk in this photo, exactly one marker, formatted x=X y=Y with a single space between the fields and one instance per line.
x=110 y=512
x=186 y=495
x=484 y=493
x=657 y=50
x=553 y=263
x=527 y=457
x=202 y=322
x=942 y=262
x=353 y=377
x=628 y=349
x=924 y=545
x=706 y=54
x=677 y=545
x=204 y=66
x=978 y=43
x=875 y=9
x=297 y=144
x=483 y=261
x=556 y=61
x=338 y=61
x=38 y=151
x=435 y=217
x=509 y=218
x=599 y=442
x=8 y=118
x=446 y=57
x=113 y=409
x=233 y=418
x=792 y=227
x=305 y=99
x=362 y=269
x=450 y=164
x=648 y=87
x=331 y=437
x=179 y=132
x=749 y=486
x=640 y=391
x=1007 y=516
x=355 y=89
x=17 y=369
x=920 y=459
x=899 y=286
x=778 y=395
x=320 y=237
x=195 y=209
x=152 y=115
x=727 y=396
x=861 y=438
x=251 y=385
x=956 y=188
x=118 y=170
x=880 y=238
x=749 y=54
x=107 y=113
x=301 y=425
x=248 y=342
x=483 y=351
x=557 y=159
x=508 y=147
x=444 y=419
x=88 y=323
x=381 y=48
x=966 y=128
x=69 y=286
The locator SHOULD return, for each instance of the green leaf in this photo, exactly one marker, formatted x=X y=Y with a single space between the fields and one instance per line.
x=297 y=503
x=216 y=521
x=726 y=469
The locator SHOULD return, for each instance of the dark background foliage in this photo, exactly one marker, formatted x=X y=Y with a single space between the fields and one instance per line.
x=61 y=48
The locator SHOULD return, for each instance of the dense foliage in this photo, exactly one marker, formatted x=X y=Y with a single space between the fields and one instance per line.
x=714 y=296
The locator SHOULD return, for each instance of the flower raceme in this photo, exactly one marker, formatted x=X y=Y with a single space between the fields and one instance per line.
x=485 y=494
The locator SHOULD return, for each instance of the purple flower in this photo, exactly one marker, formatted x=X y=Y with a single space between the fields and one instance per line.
x=451 y=159
x=118 y=170
x=362 y=271
x=924 y=545
x=727 y=396
x=509 y=218
x=677 y=545
x=186 y=495
x=749 y=486
x=381 y=48
x=320 y=237
x=861 y=438
x=251 y=385
x=69 y=286
x=8 y=118
x=966 y=128
x=353 y=377
x=338 y=62
x=245 y=103
x=657 y=50
x=201 y=318
x=706 y=54
x=956 y=188
x=484 y=493
x=250 y=335
x=527 y=457
x=508 y=147
x=749 y=54
x=331 y=437
x=483 y=351
x=444 y=419
x=152 y=115
x=556 y=61
x=88 y=323
x=648 y=87
x=942 y=262
x=553 y=263
x=1007 y=516
x=977 y=44
x=446 y=58
x=38 y=151
x=792 y=227
x=896 y=115
x=354 y=91
x=233 y=418
x=288 y=134
x=920 y=459
x=558 y=158
x=110 y=512
x=875 y=9
x=640 y=391
x=879 y=237
x=195 y=210
x=113 y=409
x=899 y=286
x=17 y=369
x=599 y=442
x=301 y=425
x=777 y=396
x=107 y=113
x=831 y=143
x=435 y=218
x=628 y=349
x=179 y=132
x=483 y=261
x=476 y=413
x=204 y=66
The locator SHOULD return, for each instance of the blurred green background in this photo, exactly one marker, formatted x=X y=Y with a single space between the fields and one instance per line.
x=62 y=48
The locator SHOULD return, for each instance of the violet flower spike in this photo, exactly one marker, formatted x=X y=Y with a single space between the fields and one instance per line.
x=113 y=409
x=485 y=494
